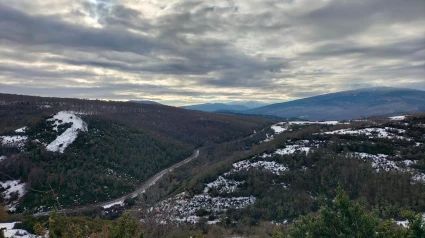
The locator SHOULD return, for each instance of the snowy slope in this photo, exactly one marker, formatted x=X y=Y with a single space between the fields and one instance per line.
x=11 y=188
x=70 y=134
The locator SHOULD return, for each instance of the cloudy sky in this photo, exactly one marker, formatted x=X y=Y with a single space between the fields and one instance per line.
x=190 y=51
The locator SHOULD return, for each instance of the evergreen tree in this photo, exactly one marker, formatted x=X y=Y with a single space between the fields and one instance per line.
x=126 y=227
x=343 y=219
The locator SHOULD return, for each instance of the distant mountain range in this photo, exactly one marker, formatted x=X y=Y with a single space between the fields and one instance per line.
x=348 y=104
x=248 y=104
x=145 y=102
x=214 y=107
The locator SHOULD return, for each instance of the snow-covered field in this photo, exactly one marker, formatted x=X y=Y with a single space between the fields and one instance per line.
x=69 y=135
x=12 y=187
x=384 y=133
x=16 y=233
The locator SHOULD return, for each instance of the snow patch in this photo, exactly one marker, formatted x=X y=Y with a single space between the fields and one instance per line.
x=44 y=106
x=271 y=166
x=405 y=223
x=183 y=208
x=279 y=127
x=385 y=133
x=298 y=147
x=223 y=185
x=21 y=130
x=70 y=134
x=397 y=118
x=213 y=222
x=10 y=232
x=381 y=163
x=291 y=149
x=14 y=141
x=314 y=122
x=11 y=188
x=121 y=203
x=408 y=163
x=268 y=138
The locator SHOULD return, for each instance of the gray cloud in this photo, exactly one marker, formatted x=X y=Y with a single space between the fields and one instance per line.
x=20 y=28
x=195 y=51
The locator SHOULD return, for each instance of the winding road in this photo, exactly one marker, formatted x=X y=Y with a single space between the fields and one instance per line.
x=141 y=189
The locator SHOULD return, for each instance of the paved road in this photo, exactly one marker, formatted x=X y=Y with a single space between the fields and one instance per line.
x=141 y=189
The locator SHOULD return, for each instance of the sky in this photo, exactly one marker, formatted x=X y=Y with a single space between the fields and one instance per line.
x=188 y=51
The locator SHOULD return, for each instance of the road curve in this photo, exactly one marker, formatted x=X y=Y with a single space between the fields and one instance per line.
x=141 y=189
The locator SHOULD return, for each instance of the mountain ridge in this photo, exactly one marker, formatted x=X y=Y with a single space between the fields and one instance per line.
x=349 y=104
x=212 y=107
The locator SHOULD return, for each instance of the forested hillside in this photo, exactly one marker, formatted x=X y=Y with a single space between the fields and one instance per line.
x=379 y=162
x=74 y=152
x=192 y=127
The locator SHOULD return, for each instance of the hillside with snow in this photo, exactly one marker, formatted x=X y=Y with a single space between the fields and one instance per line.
x=76 y=152
x=70 y=134
x=298 y=163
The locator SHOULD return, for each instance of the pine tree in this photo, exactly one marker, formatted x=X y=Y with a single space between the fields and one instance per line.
x=39 y=229
x=126 y=227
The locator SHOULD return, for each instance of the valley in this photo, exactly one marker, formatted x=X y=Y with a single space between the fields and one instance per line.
x=212 y=119
x=234 y=175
